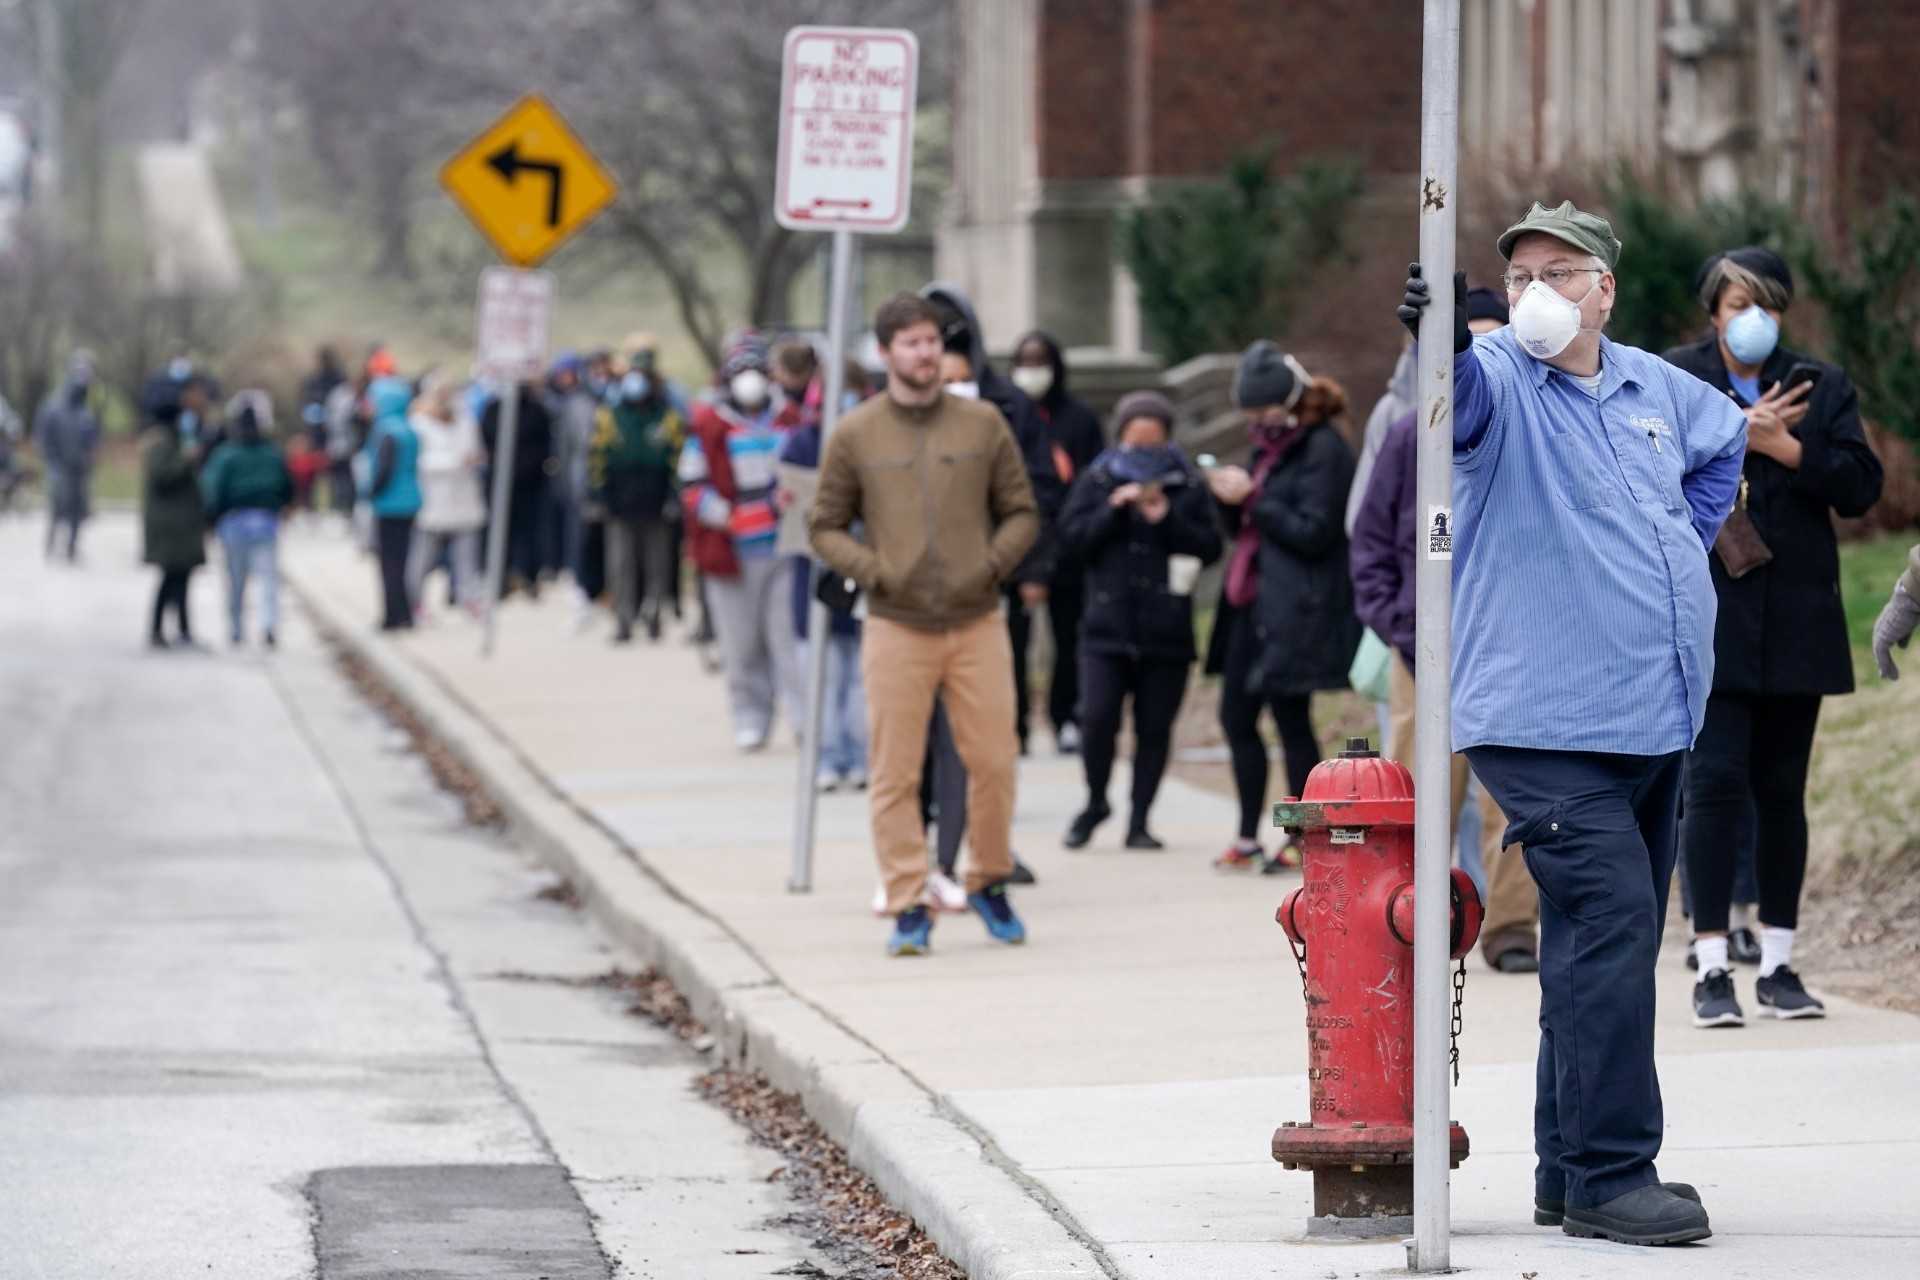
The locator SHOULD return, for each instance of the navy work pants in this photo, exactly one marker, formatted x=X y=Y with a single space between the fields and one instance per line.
x=1600 y=834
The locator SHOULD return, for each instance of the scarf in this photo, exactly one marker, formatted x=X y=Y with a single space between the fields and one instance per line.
x=1270 y=444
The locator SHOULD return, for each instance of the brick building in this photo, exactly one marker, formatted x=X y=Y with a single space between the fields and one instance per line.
x=1066 y=111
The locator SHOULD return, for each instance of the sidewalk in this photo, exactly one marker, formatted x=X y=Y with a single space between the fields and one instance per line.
x=1129 y=1065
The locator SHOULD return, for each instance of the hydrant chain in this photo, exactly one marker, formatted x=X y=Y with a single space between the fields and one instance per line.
x=1459 y=995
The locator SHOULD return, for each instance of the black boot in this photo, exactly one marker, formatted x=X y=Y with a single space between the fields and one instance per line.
x=1083 y=826
x=1646 y=1215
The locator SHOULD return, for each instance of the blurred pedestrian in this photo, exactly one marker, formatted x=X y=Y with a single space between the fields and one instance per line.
x=1141 y=520
x=1589 y=480
x=574 y=407
x=1395 y=402
x=796 y=371
x=393 y=493
x=1073 y=431
x=173 y=519
x=940 y=487
x=727 y=478
x=631 y=463
x=528 y=478
x=843 y=709
x=246 y=487
x=1385 y=550
x=453 y=508
x=1285 y=627
x=314 y=392
x=67 y=433
x=1894 y=627
x=1780 y=640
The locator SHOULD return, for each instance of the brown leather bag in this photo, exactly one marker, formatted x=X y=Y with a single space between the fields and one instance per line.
x=1740 y=547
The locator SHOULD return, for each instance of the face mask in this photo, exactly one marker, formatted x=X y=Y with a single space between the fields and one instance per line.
x=1752 y=335
x=635 y=386
x=1034 y=379
x=965 y=390
x=749 y=388
x=1546 y=323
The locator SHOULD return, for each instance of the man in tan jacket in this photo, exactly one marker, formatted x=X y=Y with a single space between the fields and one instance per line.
x=940 y=489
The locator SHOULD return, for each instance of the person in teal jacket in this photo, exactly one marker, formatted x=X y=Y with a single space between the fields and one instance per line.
x=245 y=488
x=393 y=449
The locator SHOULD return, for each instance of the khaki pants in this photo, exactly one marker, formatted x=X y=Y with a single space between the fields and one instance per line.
x=1513 y=903
x=971 y=669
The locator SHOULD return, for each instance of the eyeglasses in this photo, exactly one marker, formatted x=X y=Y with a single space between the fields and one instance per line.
x=1555 y=278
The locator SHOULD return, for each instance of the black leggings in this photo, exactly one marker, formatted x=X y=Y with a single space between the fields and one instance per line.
x=1157 y=689
x=1240 y=718
x=172 y=595
x=1747 y=788
x=395 y=541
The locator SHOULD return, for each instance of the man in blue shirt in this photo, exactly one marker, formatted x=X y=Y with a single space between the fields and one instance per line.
x=1589 y=480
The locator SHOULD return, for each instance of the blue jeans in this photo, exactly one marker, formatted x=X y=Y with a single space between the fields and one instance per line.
x=251 y=542
x=843 y=709
x=1600 y=834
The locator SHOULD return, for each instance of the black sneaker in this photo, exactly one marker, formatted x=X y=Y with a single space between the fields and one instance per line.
x=1646 y=1215
x=1743 y=947
x=1141 y=838
x=1781 y=995
x=1084 y=826
x=1714 y=1004
x=1022 y=874
x=1517 y=960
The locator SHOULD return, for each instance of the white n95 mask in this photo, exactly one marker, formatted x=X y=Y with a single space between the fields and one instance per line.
x=1545 y=322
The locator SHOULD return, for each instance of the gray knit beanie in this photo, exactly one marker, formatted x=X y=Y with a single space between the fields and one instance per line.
x=1268 y=376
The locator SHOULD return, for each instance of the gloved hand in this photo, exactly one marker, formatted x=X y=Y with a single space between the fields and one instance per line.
x=1894 y=627
x=1418 y=297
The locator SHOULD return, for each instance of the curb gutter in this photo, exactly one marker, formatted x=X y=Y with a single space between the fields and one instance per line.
x=921 y=1156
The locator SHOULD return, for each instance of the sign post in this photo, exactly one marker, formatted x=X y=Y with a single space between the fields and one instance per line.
x=1428 y=1251
x=846 y=165
x=528 y=183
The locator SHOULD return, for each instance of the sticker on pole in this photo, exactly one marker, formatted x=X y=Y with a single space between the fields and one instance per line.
x=1439 y=533
x=513 y=325
x=846 y=129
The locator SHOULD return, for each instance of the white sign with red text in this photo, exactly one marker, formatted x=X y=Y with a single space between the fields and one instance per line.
x=514 y=324
x=846 y=129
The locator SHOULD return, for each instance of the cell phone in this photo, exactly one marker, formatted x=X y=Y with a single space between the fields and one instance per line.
x=1806 y=372
x=1206 y=462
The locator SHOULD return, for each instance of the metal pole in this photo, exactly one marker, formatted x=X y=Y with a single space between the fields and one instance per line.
x=501 y=511
x=817 y=623
x=1433 y=630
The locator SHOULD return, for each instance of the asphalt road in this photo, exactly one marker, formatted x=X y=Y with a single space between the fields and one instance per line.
x=269 y=1008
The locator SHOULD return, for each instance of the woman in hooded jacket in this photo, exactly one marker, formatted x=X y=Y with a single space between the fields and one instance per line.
x=453 y=508
x=1142 y=522
x=246 y=487
x=393 y=463
x=1285 y=627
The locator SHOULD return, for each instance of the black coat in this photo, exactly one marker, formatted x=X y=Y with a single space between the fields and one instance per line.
x=1302 y=613
x=1782 y=627
x=1131 y=610
x=533 y=461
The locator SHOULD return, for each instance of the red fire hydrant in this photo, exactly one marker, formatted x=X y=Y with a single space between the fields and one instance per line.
x=1351 y=927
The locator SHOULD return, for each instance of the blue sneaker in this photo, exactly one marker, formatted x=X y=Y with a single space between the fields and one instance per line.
x=993 y=907
x=912 y=933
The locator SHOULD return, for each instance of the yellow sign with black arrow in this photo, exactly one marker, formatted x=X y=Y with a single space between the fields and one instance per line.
x=528 y=182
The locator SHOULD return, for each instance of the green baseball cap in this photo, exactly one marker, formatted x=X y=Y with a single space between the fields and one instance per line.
x=1588 y=231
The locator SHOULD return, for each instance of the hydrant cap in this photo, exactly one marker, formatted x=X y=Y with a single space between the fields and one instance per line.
x=1359 y=749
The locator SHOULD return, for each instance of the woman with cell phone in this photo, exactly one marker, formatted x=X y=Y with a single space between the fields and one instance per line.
x=1780 y=644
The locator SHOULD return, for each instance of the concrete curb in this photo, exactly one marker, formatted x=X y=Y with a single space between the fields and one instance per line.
x=926 y=1159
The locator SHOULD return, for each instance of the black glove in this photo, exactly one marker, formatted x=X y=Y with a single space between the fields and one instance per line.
x=1417 y=299
x=837 y=593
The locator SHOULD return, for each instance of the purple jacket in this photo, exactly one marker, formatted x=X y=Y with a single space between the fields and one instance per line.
x=1385 y=538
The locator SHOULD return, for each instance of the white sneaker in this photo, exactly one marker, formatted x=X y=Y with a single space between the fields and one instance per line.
x=1068 y=739
x=749 y=740
x=944 y=895
x=827 y=781
x=856 y=780
x=880 y=900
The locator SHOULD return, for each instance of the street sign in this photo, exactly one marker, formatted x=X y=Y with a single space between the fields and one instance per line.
x=846 y=129
x=514 y=324
x=528 y=182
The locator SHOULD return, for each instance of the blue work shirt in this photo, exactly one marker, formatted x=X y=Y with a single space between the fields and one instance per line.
x=1583 y=608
